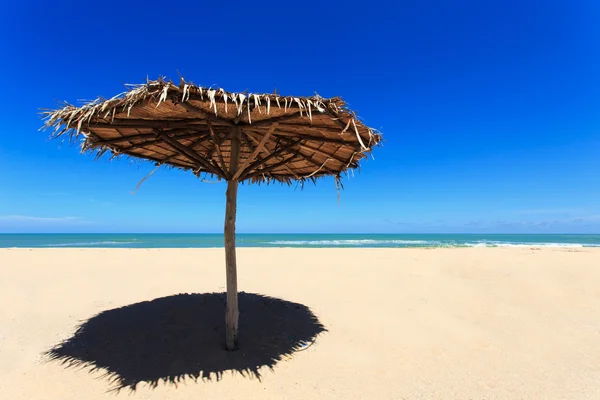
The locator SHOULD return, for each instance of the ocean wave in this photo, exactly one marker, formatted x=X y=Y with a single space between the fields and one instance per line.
x=349 y=242
x=420 y=243
x=83 y=244
x=525 y=245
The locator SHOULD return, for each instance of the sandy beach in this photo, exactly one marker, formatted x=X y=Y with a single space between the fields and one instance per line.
x=476 y=323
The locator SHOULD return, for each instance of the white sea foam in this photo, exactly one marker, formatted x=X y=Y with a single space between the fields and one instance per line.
x=525 y=245
x=83 y=244
x=477 y=245
x=350 y=242
x=420 y=243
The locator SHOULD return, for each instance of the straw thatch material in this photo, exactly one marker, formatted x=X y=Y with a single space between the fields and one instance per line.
x=281 y=138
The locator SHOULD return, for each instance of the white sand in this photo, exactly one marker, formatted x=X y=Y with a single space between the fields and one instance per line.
x=474 y=323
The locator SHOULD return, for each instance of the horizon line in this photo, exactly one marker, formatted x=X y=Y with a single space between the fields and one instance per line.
x=300 y=233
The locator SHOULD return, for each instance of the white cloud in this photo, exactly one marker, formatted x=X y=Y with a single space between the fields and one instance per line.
x=56 y=194
x=29 y=218
x=579 y=224
x=543 y=211
x=101 y=203
x=586 y=218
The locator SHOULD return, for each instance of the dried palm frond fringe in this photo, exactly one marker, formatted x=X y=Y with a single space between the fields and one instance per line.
x=282 y=138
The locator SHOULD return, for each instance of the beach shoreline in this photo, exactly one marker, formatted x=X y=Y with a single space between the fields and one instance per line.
x=262 y=240
x=415 y=323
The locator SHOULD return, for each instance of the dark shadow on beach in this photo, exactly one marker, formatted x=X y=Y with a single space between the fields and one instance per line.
x=173 y=338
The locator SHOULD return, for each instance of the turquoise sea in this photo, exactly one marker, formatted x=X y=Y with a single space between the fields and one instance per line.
x=143 y=240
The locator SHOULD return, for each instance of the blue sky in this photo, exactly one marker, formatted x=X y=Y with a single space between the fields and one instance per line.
x=490 y=112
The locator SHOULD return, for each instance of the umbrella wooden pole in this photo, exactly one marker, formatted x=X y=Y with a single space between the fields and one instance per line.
x=232 y=313
x=231 y=317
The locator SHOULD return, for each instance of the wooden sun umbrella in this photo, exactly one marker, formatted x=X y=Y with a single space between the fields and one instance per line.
x=238 y=137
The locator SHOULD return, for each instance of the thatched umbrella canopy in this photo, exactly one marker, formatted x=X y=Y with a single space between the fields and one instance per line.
x=238 y=137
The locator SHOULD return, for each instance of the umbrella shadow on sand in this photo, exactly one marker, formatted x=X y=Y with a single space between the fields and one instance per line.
x=173 y=338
